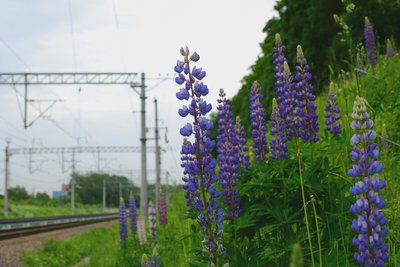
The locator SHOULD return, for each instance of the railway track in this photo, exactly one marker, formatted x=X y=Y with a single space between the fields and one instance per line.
x=19 y=227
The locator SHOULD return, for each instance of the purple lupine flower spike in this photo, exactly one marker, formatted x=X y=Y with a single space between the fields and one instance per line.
x=132 y=212
x=162 y=209
x=123 y=230
x=278 y=143
x=228 y=156
x=370 y=42
x=306 y=117
x=257 y=117
x=200 y=180
x=370 y=224
x=152 y=223
x=154 y=259
x=332 y=112
x=389 y=49
x=278 y=60
x=242 y=143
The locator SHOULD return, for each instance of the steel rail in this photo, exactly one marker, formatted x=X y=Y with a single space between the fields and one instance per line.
x=19 y=227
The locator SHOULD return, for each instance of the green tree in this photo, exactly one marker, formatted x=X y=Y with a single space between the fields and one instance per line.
x=18 y=193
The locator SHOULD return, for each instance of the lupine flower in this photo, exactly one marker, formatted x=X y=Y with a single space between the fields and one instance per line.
x=162 y=209
x=152 y=223
x=123 y=230
x=307 y=120
x=257 y=117
x=389 y=49
x=278 y=143
x=154 y=259
x=144 y=261
x=370 y=224
x=132 y=212
x=284 y=90
x=332 y=112
x=228 y=156
x=369 y=42
x=141 y=230
x=197 y=160
x=242 y=144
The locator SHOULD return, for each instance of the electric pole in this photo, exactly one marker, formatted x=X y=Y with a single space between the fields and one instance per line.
x=104 y=194
x=6 y=178
x=158 y=156
x=73 y=183
x=143 y=188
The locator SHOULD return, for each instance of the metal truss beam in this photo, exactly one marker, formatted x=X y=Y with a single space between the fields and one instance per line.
x=79 y=149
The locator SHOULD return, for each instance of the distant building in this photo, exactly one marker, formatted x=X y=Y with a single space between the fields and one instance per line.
x=56 y=194
x=62 y=193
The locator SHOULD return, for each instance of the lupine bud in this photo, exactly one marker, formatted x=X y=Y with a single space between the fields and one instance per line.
x=370 y=42
x=228 y=156
x=332 y=112
x=141 y=230
x=296 y=259
x=123 y=230
x=152 y=223
x=144 y=261
x=369 y=225
x=132 y=212
x=162 y=209
x=199 y=165
x=257 y=116
x=154 y=259
x=242 y=143
x=307 y=119
x=389 y=49
x=278 y=143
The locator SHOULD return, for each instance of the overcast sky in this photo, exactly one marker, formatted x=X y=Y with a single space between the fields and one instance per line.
x=114 y=36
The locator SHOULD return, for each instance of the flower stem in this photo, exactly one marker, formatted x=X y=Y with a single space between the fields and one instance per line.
x=318 y=235
x=305 y=206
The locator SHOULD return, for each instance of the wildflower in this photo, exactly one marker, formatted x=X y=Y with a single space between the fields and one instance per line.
x=228 y=156
x=389 y=49
x=197 y=160
x=132 y=212
x=332 y=112
x=369 y=226
x=144 y=261
x=123 y=231
x=278 y=143
x=162 y=209
x=154 y=259
x=307 y=120
x=257 y=116
x=278 y=60
x=369 y=42
x=152 y=223
x=242 y=143
x=141 y=230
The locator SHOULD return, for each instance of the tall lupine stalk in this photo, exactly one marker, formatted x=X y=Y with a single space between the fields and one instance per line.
x=241 y=136
x=152 y=223
x=332 y=112
x=228 y=156
x=369 y=39
x=162 y=209
x=257 y=117
x=278 y=143
x=278 y=59
x=370 y=222
x=144 y=261
x=132 y=212
x=389 y=49
x=200 y=180
x=305 y=110
x=123 y=229
x=141 y=228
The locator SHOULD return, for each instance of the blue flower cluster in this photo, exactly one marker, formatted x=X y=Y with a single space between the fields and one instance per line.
x=242 y=144
x=370 y=224
x=278 y=143
x=369 y=39
x=123 y=230
x=257 y=117
x=228 y=156
x=132 y=212
x=332 y=113
x=152 y=223
x=199 y=178
x=305 y=110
